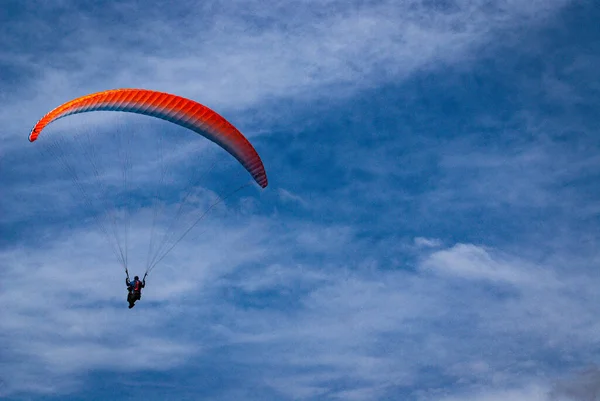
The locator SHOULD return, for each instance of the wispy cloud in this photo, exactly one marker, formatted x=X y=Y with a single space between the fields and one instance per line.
x=86 y=315
x=473 y=263
x=288 y=196
x=345 y=327
x=428 y=242
x=233 y=57
x=531 y=392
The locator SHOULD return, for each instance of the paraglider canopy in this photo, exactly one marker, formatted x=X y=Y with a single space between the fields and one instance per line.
x=179 y=110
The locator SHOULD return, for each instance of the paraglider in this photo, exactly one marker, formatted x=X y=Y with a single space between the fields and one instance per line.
x=178 y=110
x=134 y=289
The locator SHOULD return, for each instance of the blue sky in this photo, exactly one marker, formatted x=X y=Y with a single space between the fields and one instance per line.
x=429 y=231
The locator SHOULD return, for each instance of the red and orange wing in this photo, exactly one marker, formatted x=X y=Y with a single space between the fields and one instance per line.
x=178 y=110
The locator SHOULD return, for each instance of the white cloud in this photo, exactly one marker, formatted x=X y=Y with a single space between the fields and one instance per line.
x=288 y=196
x=239 y=58
x=374 y=330
x=65 y=311
x=427 y=242
x=379 y=331
x=473 y=262
x=533 y=392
